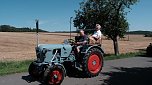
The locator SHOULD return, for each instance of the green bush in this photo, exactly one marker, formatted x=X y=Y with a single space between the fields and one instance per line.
x=148 y=35
x=149 y=50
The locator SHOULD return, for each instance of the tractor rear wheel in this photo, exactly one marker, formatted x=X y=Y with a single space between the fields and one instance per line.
x=55 y=75
x=93 y=62
x=33 y=70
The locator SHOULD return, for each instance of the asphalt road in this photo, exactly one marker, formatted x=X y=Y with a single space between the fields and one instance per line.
x=129 y=71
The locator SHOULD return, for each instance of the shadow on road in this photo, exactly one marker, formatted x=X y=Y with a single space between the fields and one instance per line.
x=129 y=76
x=76 y=74
x=29 y=79
x=72 y=72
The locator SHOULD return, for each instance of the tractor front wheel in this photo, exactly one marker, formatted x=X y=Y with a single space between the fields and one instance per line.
x=55 y=75
x=93 y=62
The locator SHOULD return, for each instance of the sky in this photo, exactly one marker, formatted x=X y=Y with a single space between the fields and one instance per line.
x=54 y=15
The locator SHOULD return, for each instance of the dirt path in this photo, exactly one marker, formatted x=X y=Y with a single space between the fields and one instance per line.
x=130 y=71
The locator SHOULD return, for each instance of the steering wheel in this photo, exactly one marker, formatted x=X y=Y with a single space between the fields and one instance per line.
x=69 y=41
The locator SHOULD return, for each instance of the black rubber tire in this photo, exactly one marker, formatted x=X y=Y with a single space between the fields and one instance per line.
x=85 y=61
x=48 y=74
x=33 y=70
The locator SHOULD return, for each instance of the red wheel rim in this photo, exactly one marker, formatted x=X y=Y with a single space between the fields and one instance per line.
x=55 y=77
x=94 y=63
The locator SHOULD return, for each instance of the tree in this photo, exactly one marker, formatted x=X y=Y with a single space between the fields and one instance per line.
x=110 y=14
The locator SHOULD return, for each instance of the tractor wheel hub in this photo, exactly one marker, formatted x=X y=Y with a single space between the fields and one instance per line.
x=55 y=77
x=94 y=62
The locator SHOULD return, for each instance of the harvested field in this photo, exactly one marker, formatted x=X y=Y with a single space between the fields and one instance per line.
x=21 y=46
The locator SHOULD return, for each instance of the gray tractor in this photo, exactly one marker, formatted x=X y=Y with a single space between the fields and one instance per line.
x=55 y=61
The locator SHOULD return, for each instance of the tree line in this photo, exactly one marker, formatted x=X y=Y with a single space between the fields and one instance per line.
x=145 y=33
x=8 y=28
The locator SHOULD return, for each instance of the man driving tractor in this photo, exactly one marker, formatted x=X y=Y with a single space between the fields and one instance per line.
x=82 y=40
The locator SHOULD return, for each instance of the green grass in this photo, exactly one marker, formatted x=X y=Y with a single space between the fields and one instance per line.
x=10 y=67
x=120 y=56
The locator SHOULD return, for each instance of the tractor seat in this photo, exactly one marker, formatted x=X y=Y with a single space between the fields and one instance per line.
x=96 y=42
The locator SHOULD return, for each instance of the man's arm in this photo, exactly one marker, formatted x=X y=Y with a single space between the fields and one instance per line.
x=81 y=43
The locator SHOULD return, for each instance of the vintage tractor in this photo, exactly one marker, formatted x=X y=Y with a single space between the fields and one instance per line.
x=51 y=63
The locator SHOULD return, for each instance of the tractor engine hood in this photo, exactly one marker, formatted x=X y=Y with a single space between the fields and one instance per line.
x=48 y=50
x=54 y=46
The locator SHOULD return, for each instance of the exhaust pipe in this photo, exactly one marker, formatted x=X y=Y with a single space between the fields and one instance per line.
x=37 y=32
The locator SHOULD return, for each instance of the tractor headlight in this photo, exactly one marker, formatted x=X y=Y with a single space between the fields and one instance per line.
x=40 y=54
x=44 y=51
x=37 y=52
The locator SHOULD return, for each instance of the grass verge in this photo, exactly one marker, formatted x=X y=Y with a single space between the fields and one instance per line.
x=126 y=55
x=10 y=67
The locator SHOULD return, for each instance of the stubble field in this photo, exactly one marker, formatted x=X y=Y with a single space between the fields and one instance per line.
x=21 y=46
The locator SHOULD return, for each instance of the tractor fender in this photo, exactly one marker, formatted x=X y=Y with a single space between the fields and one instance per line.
x=94 y=46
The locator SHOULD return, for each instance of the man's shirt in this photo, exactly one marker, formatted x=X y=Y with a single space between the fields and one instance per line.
x=97 y=34
x=83 y=38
